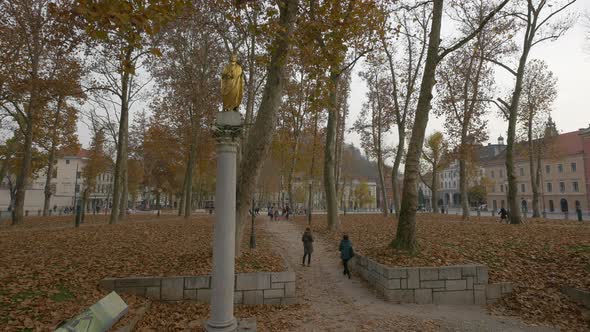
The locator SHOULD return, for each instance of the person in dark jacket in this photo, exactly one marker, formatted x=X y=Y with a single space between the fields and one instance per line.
x=503 y=215
x=307 y=240
x=346 y=253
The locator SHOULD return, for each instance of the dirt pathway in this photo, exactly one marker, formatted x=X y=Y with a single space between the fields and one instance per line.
x=336 y=303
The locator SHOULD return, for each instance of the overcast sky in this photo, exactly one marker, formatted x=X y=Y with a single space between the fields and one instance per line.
x=568 y=58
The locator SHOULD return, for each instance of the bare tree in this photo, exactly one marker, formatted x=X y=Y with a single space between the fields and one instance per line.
x=405 y=59
x=406 y=229
x=541 y=21
x=539 y=90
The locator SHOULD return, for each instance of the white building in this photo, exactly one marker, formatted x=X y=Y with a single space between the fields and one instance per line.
x=66 y=184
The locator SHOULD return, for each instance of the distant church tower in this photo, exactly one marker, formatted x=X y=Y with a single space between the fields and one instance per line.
x=550 y=128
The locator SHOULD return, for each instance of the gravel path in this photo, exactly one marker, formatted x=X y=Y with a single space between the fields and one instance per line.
x=335 y=303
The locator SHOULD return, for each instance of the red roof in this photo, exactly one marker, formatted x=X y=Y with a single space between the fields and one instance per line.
x=570 y=143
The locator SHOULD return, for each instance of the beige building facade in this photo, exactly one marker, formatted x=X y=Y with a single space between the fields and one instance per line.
x=563 y=182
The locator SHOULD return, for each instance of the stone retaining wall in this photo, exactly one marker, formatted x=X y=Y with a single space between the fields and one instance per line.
x=465 y=284
x=250 y=288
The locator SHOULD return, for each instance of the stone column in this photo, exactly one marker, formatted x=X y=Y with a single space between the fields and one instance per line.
x=227 y=131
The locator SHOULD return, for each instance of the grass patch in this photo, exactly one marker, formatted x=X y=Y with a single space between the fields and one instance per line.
x=63 y=295
x=580 y=248
x=28 y=294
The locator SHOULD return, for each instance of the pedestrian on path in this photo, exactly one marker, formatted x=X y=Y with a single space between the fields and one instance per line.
x=307 y=240
x=346 y=253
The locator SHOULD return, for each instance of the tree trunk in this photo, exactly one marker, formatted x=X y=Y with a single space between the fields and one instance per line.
x=125 y=185
x=23 y=177
x=329 y=154
x=188 y=204
x=395 y=171
x=433 y=189
x=120 y=163
x=183 y=194
x=463 y=188
x=47 y=191
x=513 y=206
x=260 y=134
x=406 y=228
x=535 y=171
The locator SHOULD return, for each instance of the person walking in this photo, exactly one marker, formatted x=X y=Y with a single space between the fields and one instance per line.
x=307 y=240
x=346 y=253
x=503 y=215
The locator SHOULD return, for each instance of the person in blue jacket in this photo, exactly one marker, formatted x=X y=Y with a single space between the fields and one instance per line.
x=346 y=253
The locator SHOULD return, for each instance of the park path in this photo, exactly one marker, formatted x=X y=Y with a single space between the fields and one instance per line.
x=332 y=302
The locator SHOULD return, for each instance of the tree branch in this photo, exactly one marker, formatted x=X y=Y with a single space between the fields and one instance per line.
x=475 y=32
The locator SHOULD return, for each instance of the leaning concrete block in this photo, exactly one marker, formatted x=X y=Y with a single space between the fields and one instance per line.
x=190 y=294
x=413 y=278
x=456 y=284
x=172 y=289
x=428 y=273
x=453 y=297
x=197 y=282
x=482 y=274
x=449 y=272
x=274 y=293
x=439 y=284
x=204 y=295
x=423 y=296
x=400 y=295
x=285 y=276
x=290 y=289
x=253 y=297
x=101 y=316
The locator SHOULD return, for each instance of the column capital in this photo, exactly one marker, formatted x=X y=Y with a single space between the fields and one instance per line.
x=228 y=127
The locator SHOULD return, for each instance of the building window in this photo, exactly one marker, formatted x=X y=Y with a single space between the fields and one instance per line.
x=501 y=188
x=562 y=187
x=560 y=168
x=549 y=187
x=78 y=174
x=54 y=173
x=521 y=171
x=575 y=186
x=493 y=174
x=574 y=167
x=494 y=188
x=77 y=188
x=547 y=169
x=501 y=173
x=454 y=184
x=522 y=188
x=67 y=161
x=551 y=207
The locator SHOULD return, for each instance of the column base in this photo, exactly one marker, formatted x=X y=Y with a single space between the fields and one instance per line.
x=240 y=325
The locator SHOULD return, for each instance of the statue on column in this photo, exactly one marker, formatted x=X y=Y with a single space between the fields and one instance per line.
x=232 y=85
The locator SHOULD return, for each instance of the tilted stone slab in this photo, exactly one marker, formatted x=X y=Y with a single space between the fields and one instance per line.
x=101 y=316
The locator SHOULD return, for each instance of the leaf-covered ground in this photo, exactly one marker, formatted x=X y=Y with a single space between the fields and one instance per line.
x=539 y=257
x=49 y=271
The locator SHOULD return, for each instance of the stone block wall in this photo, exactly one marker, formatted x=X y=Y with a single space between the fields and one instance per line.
x=250 y=288
x=462 y=284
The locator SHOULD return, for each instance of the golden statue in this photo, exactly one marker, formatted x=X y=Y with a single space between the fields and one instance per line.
x=232 y=85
